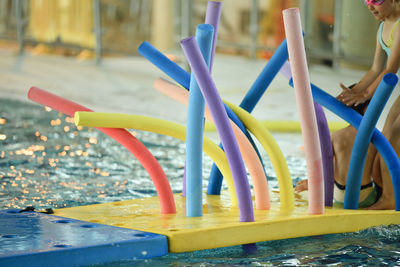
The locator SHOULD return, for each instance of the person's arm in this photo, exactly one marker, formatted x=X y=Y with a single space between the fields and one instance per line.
x=366 y=87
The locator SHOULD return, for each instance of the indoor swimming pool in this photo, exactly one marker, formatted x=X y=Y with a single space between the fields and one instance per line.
x=48 y=162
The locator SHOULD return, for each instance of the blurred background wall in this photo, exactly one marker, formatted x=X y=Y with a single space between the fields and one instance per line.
x=337 y=32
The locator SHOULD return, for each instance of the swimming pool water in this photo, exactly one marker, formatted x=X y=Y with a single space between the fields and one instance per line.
x=47 y=162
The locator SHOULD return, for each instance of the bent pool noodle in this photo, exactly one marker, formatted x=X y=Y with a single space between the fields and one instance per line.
x=225 y=131
x=213 y=15
x=325 y=144
x=183 y=78
x=250 y=157
x=144 y=123
x=378 y=139
x=326 y=153
x=122 y=136
x=195 y=128
x=301 y=79
x=363 y=138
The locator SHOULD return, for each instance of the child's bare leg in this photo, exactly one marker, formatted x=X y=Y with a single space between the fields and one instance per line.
x=342 y=144
x=380 y=172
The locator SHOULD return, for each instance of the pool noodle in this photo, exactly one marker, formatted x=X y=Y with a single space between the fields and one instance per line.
x=250 y=157
x=195 y=128
x=363 y=138
x=213 y=15
x=183 y=78
x=224 y=129
x=297 y=56
x=169 y=67
x=126 y=139
x=265 y=78
x=326 y=154
x=378 y=139
x=144 y=123
x=325 y=144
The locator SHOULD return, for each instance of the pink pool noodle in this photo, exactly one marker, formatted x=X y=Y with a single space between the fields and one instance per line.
x=301 y=80
x=250 y=156
x=123 y=137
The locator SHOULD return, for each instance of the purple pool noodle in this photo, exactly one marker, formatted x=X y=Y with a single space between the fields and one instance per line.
x=213 y=15
x=286 y=71
x=326 y=153
x=214 y=102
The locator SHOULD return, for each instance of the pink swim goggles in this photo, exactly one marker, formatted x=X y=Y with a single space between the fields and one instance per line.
x=373 y=2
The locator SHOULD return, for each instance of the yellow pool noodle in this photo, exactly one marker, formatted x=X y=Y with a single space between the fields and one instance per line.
x=144 y=123
x=284 y=126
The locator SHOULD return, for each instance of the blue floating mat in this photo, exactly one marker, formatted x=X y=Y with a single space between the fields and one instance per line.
x=38 y=239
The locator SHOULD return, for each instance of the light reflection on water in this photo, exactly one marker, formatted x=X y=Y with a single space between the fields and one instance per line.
x=47 y=162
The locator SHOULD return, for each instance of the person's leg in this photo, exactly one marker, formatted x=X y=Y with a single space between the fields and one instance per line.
x=342 y=144
x=380 y=172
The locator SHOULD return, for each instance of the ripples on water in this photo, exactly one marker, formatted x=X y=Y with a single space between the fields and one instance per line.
x=47 y=162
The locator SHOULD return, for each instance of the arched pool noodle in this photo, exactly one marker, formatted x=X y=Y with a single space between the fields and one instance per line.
x=213 y=15
x=326 y=153
x=214 y=103
x=275 y=154
x=126 y=139
x=363 y=138
x=298 y=62
x=195 y=129
x=144 y=123
x=378 y=139
x=183 y=78
x=250 y=157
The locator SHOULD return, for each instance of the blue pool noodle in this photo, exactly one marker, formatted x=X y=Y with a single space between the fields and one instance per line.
x=162 y=62
x=195 y=128
x=378 y=139
x=249 y=102
x=265 y=78
x=363 y=138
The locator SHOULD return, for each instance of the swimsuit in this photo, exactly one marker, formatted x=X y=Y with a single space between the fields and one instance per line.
x=387 y=46
x=369 y=194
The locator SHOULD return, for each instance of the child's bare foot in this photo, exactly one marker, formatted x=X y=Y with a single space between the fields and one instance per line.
x=301 y=186
x=383 y=203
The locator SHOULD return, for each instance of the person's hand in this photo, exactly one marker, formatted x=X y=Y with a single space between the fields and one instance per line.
x=351 y=97
x=301 y=186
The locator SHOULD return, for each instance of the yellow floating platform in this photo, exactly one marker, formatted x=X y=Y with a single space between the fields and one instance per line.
x=220 y=227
